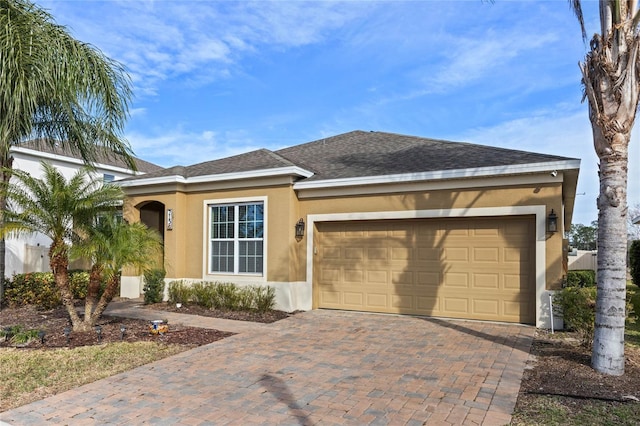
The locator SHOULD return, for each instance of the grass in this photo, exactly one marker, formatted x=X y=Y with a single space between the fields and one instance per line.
x=554 y=410
x=31 y=375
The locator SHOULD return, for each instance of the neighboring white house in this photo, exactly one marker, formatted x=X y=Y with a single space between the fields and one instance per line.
x=636 y=220
x=30 y=253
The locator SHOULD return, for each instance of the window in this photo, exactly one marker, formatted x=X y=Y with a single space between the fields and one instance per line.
x=237 y=238
x=107 y=178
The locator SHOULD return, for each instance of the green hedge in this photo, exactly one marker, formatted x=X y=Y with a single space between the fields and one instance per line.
x=228 y=296
x=39 y=288
x=581 y=278
x=153 y=285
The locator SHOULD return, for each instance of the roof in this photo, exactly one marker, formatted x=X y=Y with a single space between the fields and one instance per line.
x=102 y=157
x=362 y=154
x=359 y=154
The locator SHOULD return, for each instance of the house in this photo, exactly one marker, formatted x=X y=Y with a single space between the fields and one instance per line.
x=31 y=253
x=370 y=221
x=636 y=220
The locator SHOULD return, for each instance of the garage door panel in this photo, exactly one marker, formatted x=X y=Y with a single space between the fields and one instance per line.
x=490 y=307
x=486 y=281
x=486 y=254
x=456 y=279
x=455 y=254
x=377 y=300
x=479 y=268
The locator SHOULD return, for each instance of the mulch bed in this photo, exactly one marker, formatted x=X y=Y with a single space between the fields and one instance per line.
x=193 y=309
x=54 y=321
x=562 y=367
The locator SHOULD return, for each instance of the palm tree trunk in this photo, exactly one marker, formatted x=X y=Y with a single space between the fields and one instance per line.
x=109 y=292
x=60 y=267
x=5 y=163
x=93 y=290
x=608 y=342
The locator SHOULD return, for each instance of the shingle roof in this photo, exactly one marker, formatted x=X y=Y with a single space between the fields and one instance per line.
x=102 y=158
x=359 y=153
x=260 y=159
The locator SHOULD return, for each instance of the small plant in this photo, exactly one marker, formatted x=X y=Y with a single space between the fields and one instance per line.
x=179 y=292
x=576 y=306
x=17 y=335
x=634 y=262
x=153 y=285
x=204 y=294
x=246 y=296
x=265 y=298
x=227 y=294
x=581 y=278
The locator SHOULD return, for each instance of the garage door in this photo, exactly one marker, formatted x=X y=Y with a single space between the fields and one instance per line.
x=458 y=268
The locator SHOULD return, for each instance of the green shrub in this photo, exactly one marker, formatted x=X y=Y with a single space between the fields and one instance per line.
x=577 y=307
x=227 y=296
x=35 y=288
x=179 y=292
x=265 y=298
x=581 y=278
x=203 y=294
x=153 y=285
x=634 y=262
x=245 y=298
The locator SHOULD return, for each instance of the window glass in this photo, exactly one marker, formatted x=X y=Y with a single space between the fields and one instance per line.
x=237 y=238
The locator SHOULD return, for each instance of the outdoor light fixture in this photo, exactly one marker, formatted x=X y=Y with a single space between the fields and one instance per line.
x=552 y=222
x=99 y=332
x=41 y=334
x=300 y=228
x=123 y=329
x=67 y=332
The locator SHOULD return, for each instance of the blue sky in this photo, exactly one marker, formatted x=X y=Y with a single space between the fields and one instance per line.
x=217 y=78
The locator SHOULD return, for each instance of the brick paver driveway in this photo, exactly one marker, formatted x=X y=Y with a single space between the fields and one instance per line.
x=319 y=367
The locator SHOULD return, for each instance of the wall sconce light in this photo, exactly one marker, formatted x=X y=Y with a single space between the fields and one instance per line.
x=300 y=228
x=552 y=222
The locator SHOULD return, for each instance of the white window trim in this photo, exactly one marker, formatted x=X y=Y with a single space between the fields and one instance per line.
x=206 y=274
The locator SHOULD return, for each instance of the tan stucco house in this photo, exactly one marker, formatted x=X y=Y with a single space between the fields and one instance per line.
x=392 y=223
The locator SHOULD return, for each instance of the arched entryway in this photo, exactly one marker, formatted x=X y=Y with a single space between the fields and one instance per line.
x=152 y=214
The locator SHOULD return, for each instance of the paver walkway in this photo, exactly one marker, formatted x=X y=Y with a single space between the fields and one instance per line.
x=319 y=367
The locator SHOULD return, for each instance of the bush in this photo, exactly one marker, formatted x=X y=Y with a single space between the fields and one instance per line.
x=203 y=294
x=265 y=298
x=39 y=289
x=153 y=285
x=35 y=288
x=179 y=292
x=577 y=307
x=634 y=262
x=223 y=296
x=227 y=296
x=581 y=278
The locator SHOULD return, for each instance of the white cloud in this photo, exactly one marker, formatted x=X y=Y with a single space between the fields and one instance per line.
x=179 y=147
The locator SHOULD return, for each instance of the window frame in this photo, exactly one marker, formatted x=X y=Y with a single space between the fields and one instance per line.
x=208 y=237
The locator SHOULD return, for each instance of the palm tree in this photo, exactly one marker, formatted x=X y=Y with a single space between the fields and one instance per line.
x=63 y=210
x=57 y=90
x=611 y=79
x=112 y=245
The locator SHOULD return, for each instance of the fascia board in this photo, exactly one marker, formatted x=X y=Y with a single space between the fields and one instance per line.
x=443 y=174
x=72 y=160
x=296 y=171
x=636 y=220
